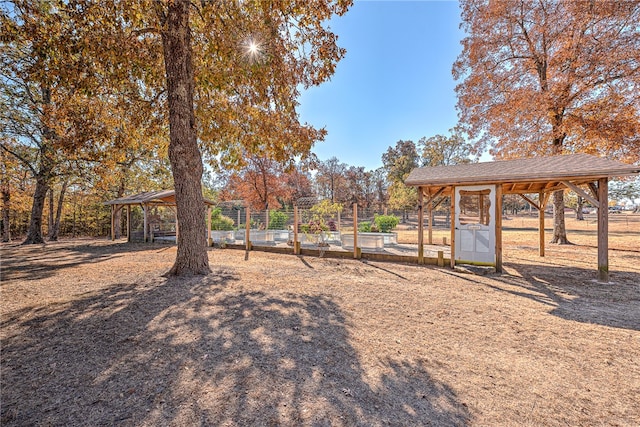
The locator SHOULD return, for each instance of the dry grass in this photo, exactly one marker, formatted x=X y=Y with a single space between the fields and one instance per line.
x=93 y=334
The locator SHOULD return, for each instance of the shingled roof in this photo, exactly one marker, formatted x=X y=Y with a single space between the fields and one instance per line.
x=577 y=168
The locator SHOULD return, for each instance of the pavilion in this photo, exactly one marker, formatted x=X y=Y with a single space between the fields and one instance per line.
x=474 y=189
x=146 y=201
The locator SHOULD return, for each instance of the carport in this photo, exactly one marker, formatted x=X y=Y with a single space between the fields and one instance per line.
x=476 y=191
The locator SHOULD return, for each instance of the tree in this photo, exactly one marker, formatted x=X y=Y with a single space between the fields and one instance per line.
x=551 y=77
x=261 y=184
x=440 y=150
x=184 y=154
x=330 y=179
x=400 y=160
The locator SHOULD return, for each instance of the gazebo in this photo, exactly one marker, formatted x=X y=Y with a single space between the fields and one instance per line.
x=476 y=191
x=146 y=201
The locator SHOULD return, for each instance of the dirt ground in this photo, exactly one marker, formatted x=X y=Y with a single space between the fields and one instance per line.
x=94 y=334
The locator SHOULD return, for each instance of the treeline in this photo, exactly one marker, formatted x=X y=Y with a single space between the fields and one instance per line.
x=74 y=202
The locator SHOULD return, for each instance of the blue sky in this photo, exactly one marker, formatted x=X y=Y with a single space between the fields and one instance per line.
x=394 y=84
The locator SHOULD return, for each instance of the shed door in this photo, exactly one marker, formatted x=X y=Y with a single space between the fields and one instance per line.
x=475 y=224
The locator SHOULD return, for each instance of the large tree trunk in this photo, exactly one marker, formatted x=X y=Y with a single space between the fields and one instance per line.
x=184 y=155
x=55 y=230
x=6 y=205
x=34 y=234
x=50 y=216
x=559 y=229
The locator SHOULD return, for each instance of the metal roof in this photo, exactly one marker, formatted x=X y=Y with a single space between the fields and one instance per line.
x=577 y=168
x=160 y=197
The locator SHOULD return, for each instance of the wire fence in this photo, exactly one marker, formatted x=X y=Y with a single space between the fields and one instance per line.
x=318 y=226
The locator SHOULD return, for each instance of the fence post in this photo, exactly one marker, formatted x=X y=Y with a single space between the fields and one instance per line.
x=209 y=239
x=356 y=250
x=296 y=243
x=247 y=233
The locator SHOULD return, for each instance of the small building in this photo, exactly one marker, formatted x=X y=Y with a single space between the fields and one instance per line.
x=149 y=202
x=476 y=191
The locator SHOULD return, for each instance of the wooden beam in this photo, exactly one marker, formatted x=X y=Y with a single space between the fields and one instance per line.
x=531 y=202
x=453 y=227
x=543 y=202
x=439 y=202
x=128 y=223
x=356 y=249
x=113 y=222
x=580 y=192
x=296 y=243
x=594 y=189
x=436 y=194
x=209 y=239
x=498 y=234
x=247 y=231
x=603 y=230
x=421 y=224
x=145 y=224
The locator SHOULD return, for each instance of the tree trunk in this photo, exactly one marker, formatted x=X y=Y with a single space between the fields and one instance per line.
x=53 y=235
x=50 y=216
x=6 y=204
x=579 y=214
x=34 y=234
x=559 y=229
x=184 y=154
x=118 y=216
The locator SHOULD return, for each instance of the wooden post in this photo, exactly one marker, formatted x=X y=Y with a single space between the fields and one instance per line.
x=145 y=225
x=440 y=258
x=453 y=226
x=430 y=221
x=541 y=208
x=113 y=222
x=355 y=232
x=296 y=243
x=128 y=223
x=498 y=234
x=209 y=239
x=420 y=226
x=247 y=231
x=603 y=230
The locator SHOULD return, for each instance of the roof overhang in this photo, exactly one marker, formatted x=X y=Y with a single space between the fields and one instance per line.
x=156 y=198
x=521 y=176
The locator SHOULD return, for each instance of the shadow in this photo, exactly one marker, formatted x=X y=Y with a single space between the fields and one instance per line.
x=364 y=261
x=202 y=351
x=304 y=261
x=573 y=293
x=32 y=262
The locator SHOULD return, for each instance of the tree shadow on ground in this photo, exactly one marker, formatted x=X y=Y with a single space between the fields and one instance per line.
x=203 y=351
x=34 y=262
x=573 y=293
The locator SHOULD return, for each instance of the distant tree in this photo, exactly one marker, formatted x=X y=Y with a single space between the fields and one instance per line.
x=297 y=183
x=402 y=198
x=551 y=77
x=400 y=160
x=440 y=150
x=356 y=179
x=380 y=188
x=625 y=189
x=330 y=179
x=262 y=183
